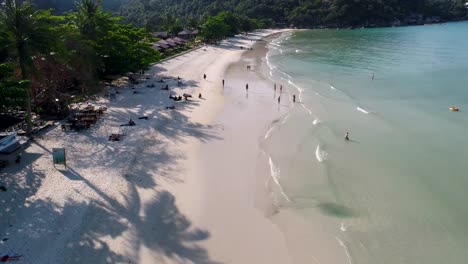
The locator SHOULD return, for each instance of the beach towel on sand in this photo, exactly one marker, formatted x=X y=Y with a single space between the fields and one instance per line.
x=5 y=258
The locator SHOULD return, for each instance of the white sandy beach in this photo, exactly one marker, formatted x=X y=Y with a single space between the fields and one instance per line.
x=148 y=198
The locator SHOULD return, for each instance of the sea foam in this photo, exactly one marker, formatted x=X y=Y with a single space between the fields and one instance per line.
x=320 y=155
x=274 y=172
x=362 y=110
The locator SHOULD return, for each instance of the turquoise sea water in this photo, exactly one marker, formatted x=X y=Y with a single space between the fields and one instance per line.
x=398 y=191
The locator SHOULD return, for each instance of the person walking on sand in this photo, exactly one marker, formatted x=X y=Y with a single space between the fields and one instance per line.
x=346 y=137
x=294 y=98
x=199 y=95
x=247 y=86
x=204 y=76
x=281 y=88
x=223 y=82
x=279 y=99
x=274 y=86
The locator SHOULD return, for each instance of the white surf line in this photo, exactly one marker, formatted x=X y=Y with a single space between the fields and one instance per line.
x=320 y=154
x=307 y=109
x=285 y=119
x=345 y=248
x=362 y=110
x=273 y=172
x=267 y=135
x=300 y=97
x=343 y=227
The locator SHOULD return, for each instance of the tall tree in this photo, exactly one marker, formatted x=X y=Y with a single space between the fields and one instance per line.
x=214 y=29
x=29 y=33
x=87 y=18
x=120 y=47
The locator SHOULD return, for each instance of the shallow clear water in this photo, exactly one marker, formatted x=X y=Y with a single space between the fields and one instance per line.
x=397 y=192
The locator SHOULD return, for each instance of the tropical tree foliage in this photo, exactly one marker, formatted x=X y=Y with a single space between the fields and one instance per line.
x=298 y=12
x=214 y=29
x=227 y=24
x=61 y=54
x=27 y=32
x=13 y=93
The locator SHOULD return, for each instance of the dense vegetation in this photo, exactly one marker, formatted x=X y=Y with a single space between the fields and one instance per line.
x=45 y=57
x=60 y=6
x=166 y=14
x=160 y=14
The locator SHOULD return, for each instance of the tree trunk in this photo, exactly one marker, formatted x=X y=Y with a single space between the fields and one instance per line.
x=24 y=76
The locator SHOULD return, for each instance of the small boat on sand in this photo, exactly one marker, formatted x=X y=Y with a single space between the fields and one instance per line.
x=8 y=143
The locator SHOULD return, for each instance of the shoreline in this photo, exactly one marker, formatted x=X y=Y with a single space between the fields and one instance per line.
x=251 y=118
x=233 y=196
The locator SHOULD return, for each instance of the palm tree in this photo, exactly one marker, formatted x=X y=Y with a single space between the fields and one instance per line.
x=87 y=17
x=27 y=35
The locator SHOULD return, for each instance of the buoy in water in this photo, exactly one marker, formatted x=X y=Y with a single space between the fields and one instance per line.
x=454 y=109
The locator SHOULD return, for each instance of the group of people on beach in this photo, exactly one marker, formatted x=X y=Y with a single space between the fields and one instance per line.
x=281 y=90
